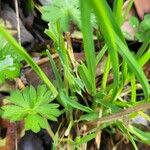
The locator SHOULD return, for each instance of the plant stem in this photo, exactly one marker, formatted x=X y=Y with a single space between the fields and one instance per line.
x=50 y=132
x=120 y=114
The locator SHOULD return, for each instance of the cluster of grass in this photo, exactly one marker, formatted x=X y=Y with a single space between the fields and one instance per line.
x=102 y=106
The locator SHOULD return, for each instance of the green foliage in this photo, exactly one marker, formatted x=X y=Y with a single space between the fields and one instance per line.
x=33 y=106
x=67 y=11
x=89 y=71
x=9 y=63
x=142 y=28
x=140 y=135
x=18 y=49
x=117 y=9
x=77 y=89
x=29 y=6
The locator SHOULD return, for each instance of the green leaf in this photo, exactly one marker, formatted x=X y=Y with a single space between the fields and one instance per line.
x=134 y=21
x=26 y=96
x=106 y=21
x=43 y=95
x=133 y=65
x=117 y=9
x=17 y=98
x=126 y=132
x=9 y=69
x=85 y=76
x=85 y=138
x=109 y=105
x=32 y=106
x=65 y=11
x=101 y=54
x=21 y=51
x=89 y=117
x=73 y=103
x=35 y=122
x=47 y=110
x=33 y=95
x=88 y=43
x=12 y=112
x=41 y=90
x=142 y=136
x=56 y=72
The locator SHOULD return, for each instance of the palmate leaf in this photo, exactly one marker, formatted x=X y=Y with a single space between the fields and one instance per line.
x=65 y=11
x=32 y=106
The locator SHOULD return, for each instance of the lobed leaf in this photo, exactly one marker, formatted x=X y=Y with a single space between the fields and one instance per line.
x=13 y=113
x=17 y=98
x=35 y=122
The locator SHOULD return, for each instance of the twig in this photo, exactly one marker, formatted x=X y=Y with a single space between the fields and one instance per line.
x=18 y=21
x=120 y=114
x=19 y=40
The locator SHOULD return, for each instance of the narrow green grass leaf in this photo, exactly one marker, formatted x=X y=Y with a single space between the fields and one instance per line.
x=89 y=117
x=133 y=65
x=117 y=9
x=88 y=41
x=101 y=54
x=143 y=47
x=85 y=139
x=133 y=88
x=55 y=70
x=106 y=73
x=74 y=104
x=101 y=11
x=127 y=133
x=144 y=58
x=142 y=136
x=85 y=76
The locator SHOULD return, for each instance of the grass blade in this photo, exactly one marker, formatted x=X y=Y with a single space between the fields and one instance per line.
x=133 y=65
x=55 y=70
x=117 y=9
x=88 y=41
x=101 y=12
